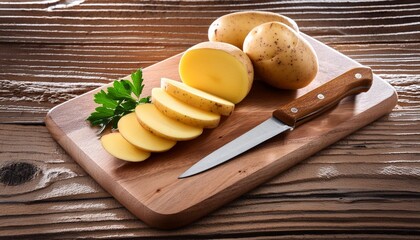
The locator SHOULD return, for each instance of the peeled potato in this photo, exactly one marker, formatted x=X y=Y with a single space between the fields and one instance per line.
x=182 y=112
x=159 y=124
x=197 y=98
x=117 y=146
x=220 y=69
x=135 y=134
x=233 y=28
x=281 y=57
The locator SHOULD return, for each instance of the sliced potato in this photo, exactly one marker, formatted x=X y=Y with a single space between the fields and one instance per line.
x=182 y=112
x=218 y=68
x=117 y=146
x=135 y=134
x=197 y=98
x=159 y=124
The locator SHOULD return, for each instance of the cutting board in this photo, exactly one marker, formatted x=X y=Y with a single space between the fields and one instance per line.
x=151 y=189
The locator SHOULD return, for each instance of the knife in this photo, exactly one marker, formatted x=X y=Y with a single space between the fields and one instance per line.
x=289 y=116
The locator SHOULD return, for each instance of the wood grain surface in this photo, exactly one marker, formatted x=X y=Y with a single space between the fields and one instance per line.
x=152 y=191
x=364 y=186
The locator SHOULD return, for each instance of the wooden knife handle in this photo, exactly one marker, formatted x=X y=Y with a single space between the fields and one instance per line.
x=319 y=100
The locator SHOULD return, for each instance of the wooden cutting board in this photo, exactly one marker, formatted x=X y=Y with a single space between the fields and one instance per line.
x=151 y=189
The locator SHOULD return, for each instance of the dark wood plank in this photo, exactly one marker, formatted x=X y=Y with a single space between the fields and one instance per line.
x=69 y=51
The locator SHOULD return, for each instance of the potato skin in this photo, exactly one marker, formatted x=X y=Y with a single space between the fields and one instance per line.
x=232 y=28
x=281 y=57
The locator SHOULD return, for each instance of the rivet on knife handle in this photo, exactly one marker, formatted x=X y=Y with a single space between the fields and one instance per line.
x=319 y=100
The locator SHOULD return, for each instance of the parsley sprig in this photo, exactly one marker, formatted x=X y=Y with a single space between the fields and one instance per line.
x=119 y=100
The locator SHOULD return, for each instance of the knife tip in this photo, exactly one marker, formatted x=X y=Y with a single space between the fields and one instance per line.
x=187 y=174
x=184 y=175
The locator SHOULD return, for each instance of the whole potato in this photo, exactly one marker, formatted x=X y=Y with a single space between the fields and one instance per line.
x=281 y=56
x=233 y=28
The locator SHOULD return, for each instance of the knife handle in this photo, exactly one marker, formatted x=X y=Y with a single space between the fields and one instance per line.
x=326 y=96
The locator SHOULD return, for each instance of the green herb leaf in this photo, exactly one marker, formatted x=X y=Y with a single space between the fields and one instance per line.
x=137 y=78
x=102 y=98
x=119 y=100
x=119 y=91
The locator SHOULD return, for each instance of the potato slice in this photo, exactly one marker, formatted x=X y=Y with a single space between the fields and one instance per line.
x=217 y=68
x=197 y=98
x=182 y=112
x=157 y=123
x=117 y=146
x=134 y=133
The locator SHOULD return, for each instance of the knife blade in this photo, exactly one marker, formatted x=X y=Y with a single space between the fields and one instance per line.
x=289 y=116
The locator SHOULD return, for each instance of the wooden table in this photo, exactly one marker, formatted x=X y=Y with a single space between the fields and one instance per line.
x=364 y=186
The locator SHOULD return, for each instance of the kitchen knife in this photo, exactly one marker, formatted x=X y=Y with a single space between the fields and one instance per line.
x=289 y=116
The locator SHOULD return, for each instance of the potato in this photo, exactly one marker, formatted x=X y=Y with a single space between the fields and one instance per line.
x=117 y=146
x=233 y=28
x=182 y=112
x=197 y=98
x=281 y=57
x=134 y=133
x=157 y=123
x=218 y=68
